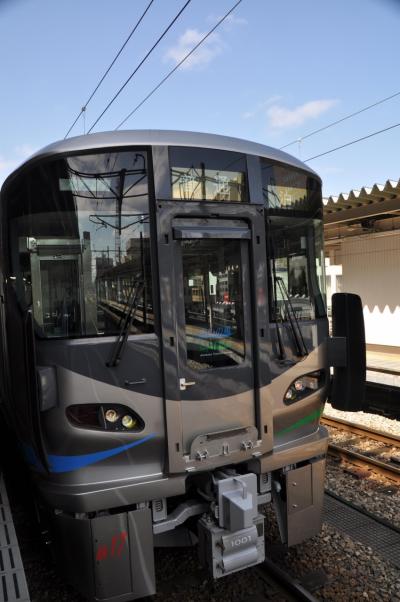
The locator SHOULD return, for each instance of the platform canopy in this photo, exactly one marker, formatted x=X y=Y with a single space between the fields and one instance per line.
x=370 y=210
x=379 y=200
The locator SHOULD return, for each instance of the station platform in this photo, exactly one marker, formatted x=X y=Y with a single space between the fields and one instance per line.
x=383 y=367
x=382 y=393
x=13 y=586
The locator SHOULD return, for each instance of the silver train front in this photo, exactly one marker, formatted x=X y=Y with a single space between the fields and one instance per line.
x=166 y=353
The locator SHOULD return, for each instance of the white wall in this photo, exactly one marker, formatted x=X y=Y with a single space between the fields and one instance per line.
x=371 y=268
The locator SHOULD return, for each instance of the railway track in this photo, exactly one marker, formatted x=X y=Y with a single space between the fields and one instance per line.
x=361 y=460
x=276 y=577
x=366 y=462
x=359 y=429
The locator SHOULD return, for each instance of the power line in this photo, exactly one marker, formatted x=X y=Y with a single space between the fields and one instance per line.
x=178 y=65
x=353 y=142
x=140 y=64
x=325 y=127
x=83 y=109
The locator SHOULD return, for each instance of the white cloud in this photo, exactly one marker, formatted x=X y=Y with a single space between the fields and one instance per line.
x=260 y=107
x=281 y=117
x=209 y=49
x=232 y=20
x=229 y=22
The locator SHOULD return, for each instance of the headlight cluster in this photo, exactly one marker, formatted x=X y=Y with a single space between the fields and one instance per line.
x=304 y=385
x=110 y=417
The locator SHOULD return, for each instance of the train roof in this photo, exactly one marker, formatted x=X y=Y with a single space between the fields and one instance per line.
x=118 y=139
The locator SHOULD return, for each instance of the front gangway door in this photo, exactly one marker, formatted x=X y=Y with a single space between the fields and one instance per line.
x=215 y=410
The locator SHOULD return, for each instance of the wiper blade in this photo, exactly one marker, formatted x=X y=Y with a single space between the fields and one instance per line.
x=281 y=354
x=126 y=323
x=293 y=321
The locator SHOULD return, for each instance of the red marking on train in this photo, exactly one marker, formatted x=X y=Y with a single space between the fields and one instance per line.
x=102 y=553
x=123 y=538
x=113 y=544
x=116 y=548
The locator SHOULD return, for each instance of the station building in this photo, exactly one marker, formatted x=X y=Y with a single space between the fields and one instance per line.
x=362 y=247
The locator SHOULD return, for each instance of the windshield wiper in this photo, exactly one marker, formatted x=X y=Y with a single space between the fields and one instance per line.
x=126 y=323
x=293 y=321
x=281 y=354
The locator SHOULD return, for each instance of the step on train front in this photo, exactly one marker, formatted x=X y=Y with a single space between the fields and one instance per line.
x=166 y=355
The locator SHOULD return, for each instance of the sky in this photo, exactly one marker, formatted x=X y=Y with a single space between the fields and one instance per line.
x=273 y=72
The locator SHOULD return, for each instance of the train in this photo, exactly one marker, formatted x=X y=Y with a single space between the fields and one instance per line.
x=165 y=350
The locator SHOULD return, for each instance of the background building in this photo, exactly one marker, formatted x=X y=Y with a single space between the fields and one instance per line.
x=362 y=246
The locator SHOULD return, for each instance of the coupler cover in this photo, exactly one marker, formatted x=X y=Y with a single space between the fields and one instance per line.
x=224 y=552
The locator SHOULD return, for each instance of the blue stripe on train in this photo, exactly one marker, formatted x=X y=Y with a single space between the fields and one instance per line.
x=68 y=463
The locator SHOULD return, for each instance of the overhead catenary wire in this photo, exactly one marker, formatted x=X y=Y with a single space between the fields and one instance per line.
x=329 y=125
x=83 y=109
x=140 y=64
x=178 y=65
x=332 y=150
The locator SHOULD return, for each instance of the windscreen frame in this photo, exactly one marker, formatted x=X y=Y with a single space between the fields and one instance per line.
x=15 y=179
x=304 y=216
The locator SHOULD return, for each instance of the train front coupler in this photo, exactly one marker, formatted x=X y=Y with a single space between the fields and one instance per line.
x=231 y=534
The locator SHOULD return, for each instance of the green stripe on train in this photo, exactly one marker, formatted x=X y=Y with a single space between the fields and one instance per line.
x=305 y=420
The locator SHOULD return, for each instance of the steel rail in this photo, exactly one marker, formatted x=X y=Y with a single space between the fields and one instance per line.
x=360 y=429
x=285 y=581
x=382 y=468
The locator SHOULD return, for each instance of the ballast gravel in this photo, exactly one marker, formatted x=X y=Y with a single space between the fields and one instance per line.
x=365 y=446
x=378 y=495
x=353 y=572
x=380 y=423
x=375 y=493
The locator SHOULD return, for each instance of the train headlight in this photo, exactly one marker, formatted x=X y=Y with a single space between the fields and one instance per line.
x=128 y=422
x=290 y=394
x=111 y=418
x=304 y=385
x=111 y=415
x=299 y=385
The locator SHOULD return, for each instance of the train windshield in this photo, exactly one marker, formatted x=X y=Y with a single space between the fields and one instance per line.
x=208 y=174
x=293 y=216
x=80 y=247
